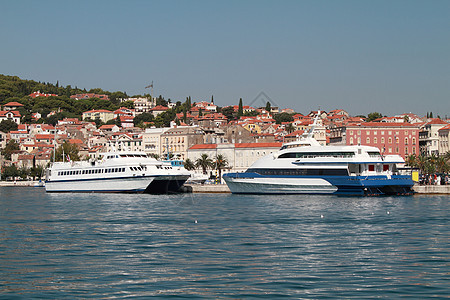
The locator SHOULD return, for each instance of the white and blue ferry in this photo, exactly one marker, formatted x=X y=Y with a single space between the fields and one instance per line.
x=306 y=167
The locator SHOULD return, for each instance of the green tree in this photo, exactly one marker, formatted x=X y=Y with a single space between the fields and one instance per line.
x=10 y=147
x=144 y=117
x=36 y=172
x=283 y=117
x=268 y=107
x=411 y=161
x=128 y=104
x=24 y=172
x=164 y=119
x=115 y=97
x=240 y=109
x=373 y=116
x=10 y=171
x=204 y=162
x=220 y=163
x=118 y=122
x=8 y=125
x=67 y=150
x=290 y=128
x=228 y=112
x=161 y=101
x=189 y=164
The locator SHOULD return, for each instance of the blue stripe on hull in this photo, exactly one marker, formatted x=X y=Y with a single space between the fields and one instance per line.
x=351 y=185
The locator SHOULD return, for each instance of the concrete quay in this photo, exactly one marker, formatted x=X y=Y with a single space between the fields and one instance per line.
x=223 y=188
x=209 y=188
x=432 y=189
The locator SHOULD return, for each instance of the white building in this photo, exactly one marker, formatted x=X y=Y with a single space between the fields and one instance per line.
x=151 y=140
x=239 y=156
x=141 y=104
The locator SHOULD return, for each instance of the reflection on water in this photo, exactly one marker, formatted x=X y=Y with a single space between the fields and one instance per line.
x=221 y=246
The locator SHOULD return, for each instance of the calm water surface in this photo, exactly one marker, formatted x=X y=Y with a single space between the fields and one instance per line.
x=222 y=246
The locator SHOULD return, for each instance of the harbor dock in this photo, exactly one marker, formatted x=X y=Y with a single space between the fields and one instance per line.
x=223 y=188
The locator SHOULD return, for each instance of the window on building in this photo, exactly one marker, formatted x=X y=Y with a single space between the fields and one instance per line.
x=406 y=141
x=368 y=140
x=390 y=140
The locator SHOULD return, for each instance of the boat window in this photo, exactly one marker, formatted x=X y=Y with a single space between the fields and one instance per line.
x=385 y=167
x=374 y=154
x=371 y=168
x=300 y=172
x=123 y=169
x=317 y=154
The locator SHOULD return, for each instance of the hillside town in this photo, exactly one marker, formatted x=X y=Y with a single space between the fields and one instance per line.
x=240 y=134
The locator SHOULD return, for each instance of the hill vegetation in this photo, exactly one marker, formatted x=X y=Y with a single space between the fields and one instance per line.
x=14 y=89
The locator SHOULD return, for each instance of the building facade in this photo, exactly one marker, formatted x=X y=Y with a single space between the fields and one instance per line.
x=390 y=138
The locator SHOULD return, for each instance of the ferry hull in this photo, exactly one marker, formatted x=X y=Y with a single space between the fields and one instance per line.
x=284 y=186
x=251 y=183
x=138 y=184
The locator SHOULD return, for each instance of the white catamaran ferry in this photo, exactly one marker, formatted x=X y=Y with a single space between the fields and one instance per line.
x=116 y=172
x=306 y=167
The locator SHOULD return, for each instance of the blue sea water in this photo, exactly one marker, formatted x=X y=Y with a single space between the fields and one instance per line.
x=222 y=246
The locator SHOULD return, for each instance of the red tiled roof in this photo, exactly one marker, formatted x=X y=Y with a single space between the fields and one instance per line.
x=14 y=112
x=13 y=104
x=258 y=145
x=436 y=121
x=98 y=110
x=159 y=108
x=75 y=141
x=445 y=128
x=204 y=146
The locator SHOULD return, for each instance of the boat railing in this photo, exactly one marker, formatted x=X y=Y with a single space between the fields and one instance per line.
x=325 y=156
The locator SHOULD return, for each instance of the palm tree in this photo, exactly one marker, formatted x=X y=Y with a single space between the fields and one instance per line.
x=220 y=163
x=204 y=162
x=290 y=128
x=189 y=164
x=442 y=165
x=411 y=161
x=421 y=162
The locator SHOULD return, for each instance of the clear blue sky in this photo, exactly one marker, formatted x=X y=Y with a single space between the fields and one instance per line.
x=362 y=56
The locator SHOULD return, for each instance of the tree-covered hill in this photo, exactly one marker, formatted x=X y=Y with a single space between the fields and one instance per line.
x=14 y=89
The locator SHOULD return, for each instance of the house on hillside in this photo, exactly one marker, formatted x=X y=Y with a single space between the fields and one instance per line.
x=89 y=96
x=158 y=110
x=12 y=115
x=12 y=106
x=98 y=114
x=39 y=94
